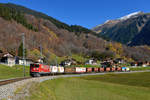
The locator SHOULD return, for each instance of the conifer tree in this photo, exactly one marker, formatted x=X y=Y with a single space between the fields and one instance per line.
x=20 y=51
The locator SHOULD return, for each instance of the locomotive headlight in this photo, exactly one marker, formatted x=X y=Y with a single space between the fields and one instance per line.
x=42 y=66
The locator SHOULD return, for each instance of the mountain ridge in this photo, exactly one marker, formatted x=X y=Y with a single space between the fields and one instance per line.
x=123 y=30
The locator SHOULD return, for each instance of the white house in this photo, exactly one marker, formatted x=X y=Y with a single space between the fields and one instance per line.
x=91 y=62
x=8 y=59
x=68 y=62
x=40 y=60
x=27 y=62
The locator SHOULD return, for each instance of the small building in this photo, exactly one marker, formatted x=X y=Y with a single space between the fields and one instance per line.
x=41 y=60
x=68 y=62
x=119 y=61
x=105 y=64
x=7 y=59
x=133 y=64
x=144 y=65
x=148 y=63
x=91 y=62
x=20 y=61
x=26 y=62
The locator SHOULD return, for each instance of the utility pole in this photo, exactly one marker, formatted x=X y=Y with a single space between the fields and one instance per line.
x=56 y=62
x=41 y=53
x=23 y=41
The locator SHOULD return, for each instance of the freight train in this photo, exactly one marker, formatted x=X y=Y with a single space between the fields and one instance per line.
x=37 y=70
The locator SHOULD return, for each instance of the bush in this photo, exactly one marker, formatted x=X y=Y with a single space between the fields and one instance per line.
x=102 y=55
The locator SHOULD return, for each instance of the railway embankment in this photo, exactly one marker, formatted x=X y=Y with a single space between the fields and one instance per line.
x=8 y=91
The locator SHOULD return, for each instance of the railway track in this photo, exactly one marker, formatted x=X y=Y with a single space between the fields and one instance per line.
x=5 y=82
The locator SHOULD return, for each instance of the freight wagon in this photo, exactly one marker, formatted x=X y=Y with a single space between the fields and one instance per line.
x=95 y=69
x=70 y=69
x=88 y=70
x=101 y=70
x=113 y=69
x=54 y=69
x=80 y=70
x=61 y=70
x=108 y=69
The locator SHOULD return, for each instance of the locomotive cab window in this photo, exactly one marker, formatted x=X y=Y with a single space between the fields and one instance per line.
x=34 y=65
x=37 y=66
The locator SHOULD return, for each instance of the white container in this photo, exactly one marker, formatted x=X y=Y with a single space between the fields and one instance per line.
x=80 y=70
x=127 y=69
x=61 y=70
x=124 y=69
x=54 y=69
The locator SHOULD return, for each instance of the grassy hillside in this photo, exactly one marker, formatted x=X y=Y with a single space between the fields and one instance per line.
x=12 y=72
x=106 y=87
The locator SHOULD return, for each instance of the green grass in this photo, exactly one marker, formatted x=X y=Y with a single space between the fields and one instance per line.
x=104 y=87
x=7 y=72
x=78 y=58
x=132 y=79
x=140 y=68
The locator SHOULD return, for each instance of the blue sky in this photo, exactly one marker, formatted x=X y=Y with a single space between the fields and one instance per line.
x=87 y=13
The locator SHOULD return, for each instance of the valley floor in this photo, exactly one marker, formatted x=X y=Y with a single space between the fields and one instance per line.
x=133 y=86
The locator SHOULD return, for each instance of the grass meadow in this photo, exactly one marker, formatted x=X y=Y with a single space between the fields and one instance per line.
x=135 y=86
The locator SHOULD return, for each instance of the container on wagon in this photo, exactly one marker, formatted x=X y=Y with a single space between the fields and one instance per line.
x=54 y=69
x=70 y=69
x=127 y=69
x=113 y=69
x=118 y=68
x=108 y=69
x=101 y=69
x=88 y=70
x=80 y=70
x=61 y=69
x=123 y=69
x=95 y=69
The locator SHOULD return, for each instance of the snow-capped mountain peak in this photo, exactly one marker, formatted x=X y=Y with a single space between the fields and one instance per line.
x=106 y=21
x=130 y=15
x=102 y=24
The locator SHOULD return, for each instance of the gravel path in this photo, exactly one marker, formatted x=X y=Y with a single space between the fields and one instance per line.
x=7 y=92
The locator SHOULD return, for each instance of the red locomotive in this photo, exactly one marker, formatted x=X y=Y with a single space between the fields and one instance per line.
x=37 y=70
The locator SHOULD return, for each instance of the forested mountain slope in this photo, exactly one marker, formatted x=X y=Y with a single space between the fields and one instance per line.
x=126 y=29
x=56 y=38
